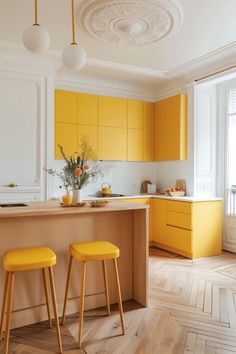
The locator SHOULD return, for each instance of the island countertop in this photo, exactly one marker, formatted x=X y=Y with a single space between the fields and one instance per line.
x=50 y=224
x=55 y=208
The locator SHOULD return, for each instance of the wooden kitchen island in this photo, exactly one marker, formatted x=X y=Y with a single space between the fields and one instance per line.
x=49 y=224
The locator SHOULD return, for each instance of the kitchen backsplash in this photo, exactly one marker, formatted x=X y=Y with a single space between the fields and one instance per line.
x=126 y=177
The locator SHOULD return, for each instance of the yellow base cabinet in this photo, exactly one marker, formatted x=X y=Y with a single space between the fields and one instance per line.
x=193 y=230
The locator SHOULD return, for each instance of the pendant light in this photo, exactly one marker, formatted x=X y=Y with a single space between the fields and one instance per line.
x=74 y=56
x=36 y=38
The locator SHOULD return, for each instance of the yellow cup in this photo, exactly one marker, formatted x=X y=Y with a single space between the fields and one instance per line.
x=66 y=199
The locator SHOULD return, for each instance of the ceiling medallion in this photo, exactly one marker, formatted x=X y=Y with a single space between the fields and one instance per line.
x=130 y=22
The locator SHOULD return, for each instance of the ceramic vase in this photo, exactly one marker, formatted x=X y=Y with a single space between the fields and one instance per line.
x=77 y=196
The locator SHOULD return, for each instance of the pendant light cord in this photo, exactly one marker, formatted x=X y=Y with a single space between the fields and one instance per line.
x=36 y=12
x=73 y=22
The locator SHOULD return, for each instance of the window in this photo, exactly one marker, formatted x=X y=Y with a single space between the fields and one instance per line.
x=231 y=158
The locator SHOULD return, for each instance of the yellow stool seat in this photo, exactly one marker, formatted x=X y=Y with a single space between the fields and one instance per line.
x=28 y=259
x=94 y=251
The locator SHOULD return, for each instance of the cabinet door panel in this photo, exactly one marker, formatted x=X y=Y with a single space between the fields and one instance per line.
x=159 y=132
x=181 y=220
x=170 y=133
x=87 y=109
x=90 y=132
x=112 y=112
x=179 y=207
x=135 y=145
x=66 y=136
x=112 y=143
x=135 y=114
x=179 y=239
x=148 y=131
x=159 y=220
x=65 y=107
x=173 y=128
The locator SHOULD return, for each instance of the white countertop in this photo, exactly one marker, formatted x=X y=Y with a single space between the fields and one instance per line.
x=156 y=196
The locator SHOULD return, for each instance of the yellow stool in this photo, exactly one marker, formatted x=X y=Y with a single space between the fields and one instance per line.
x=93 y=251
x=21 y=260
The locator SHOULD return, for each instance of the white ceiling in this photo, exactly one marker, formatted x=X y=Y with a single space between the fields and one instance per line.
x=207 y=27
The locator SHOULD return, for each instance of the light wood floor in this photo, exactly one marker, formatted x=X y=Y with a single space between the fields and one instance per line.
x=192 y=310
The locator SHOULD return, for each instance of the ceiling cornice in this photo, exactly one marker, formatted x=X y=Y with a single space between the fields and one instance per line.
x=220 y=59
x=53 y=58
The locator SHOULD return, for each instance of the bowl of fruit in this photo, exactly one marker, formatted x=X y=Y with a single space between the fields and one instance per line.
x=178 y=191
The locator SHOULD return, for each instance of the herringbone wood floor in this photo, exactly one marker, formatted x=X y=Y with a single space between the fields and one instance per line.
x=192 y=310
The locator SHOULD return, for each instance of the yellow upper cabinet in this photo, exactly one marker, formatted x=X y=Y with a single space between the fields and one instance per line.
x=112 y=143
x=65 y=107
x=87 y=109
x=135 y=114
x=170 y=129
x=148 y=131
x=66 y=136
x=135 y=145
x=90 y=133
x=112 y=112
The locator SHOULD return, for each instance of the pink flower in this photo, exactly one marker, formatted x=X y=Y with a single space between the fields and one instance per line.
x=86 y=166
x=77 y=171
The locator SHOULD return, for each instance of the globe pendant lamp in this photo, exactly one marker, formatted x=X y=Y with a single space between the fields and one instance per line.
x=36 y=38
x=74 y=56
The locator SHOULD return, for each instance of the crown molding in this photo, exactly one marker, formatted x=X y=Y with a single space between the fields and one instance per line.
x=221 y=59
x=52 y=60
x=101 y=88
x=128 y=68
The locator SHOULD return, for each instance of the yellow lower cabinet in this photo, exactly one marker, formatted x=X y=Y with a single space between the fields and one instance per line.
x=193 y=230
x=179 y=241
x=207 y=229
x=112 y=143
x=159 y=221
x=145 y=201
x=135 y=145
x=181 y=220
x=66 y=136
x=90 y=133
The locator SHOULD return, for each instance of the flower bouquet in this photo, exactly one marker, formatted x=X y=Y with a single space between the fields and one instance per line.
x=78 y=172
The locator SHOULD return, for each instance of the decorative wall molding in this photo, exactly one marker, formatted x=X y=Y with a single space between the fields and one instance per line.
x=130 y=22
x=30 y=183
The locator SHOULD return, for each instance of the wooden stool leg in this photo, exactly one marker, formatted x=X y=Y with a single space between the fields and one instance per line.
x=66 y=292
x=119 y=297
x=4 y=304
x=54 y=302
x=46 y=296
x=106 y=286
x=82 y=292
x=9 y=308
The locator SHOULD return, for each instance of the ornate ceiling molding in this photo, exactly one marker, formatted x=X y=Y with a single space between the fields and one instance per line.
x=129 y=22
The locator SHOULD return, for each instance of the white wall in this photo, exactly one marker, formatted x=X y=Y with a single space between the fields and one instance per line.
x=124 y=177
